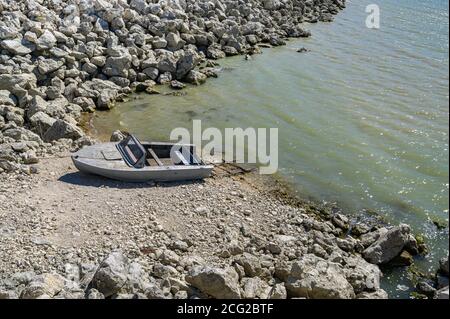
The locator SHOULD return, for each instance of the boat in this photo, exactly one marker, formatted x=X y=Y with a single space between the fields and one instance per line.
x=132 y=161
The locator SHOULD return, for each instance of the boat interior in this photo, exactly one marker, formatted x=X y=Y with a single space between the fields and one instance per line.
x=140 y=155
x=160 y=155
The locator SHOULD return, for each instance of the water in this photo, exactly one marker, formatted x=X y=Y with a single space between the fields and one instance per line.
x=363 y=117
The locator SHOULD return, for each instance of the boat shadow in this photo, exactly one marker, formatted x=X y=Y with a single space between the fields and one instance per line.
x=83 y=179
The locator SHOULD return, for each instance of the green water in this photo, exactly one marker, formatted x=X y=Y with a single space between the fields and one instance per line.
x=363 y=117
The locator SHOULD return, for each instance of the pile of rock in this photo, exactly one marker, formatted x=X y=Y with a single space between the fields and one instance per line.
x=316 y=263
x=58 y=58
x=248 y=277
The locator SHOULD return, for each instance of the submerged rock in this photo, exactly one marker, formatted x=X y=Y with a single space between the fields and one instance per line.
x=196 y=77
x=388 y=245
x=442 y=293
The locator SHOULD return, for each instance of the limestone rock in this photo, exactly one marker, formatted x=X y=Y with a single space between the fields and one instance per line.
x=379 y=294
x=196 y=77
x=443 y=265
x=442 y=293
x=252 y=265
x=255 y=288
x=62 y=129
x=216 y=282
x=315 y=278
x=388 y=246
x=112 y=274
x=44 y=286
x=17 y=47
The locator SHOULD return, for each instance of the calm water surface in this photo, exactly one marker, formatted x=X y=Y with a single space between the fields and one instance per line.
x=363 y=118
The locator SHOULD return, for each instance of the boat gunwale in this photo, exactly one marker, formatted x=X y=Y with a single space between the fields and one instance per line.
x=96 y=162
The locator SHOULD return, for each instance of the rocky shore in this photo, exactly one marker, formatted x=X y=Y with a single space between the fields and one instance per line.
x=59 y=59
x=236 y=235
x=66 y=235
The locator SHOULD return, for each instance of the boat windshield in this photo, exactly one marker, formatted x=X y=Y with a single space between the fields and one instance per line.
x=132 y=151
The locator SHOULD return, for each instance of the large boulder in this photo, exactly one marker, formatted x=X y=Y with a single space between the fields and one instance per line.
x=22 y=134
x=7 y=32
x=8 y=294
x=388 y=246
x=278 y=292
x=46 y=41
x=315 y=278
x=6 y=98
x=103 y=92
x=159 y=43
x=37 y=104
x=271 y=4
x=214 y=52
x=252 y=28
x=118 y=63
x=112 y=274
x=186 y=63
x=251 y=264
x=44 y=286
x=117 y=66
x=443 y=266
x=62 y=129
x=216 y=282
x=106 y=99
x=255 y=288
x=379 y=294
x=167 y=62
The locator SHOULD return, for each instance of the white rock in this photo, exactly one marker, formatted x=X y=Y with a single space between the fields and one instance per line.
x=216 y=282
x=316 y=278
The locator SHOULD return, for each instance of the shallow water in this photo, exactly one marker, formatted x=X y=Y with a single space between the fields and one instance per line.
x=363 y=117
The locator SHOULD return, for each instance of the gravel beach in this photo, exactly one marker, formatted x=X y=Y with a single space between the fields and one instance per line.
x=235 y=235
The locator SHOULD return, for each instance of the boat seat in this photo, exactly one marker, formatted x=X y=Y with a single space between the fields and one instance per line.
x=155 y=157
x=179 y=158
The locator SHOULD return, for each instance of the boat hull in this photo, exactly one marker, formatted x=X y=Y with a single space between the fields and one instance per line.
x=91 y=160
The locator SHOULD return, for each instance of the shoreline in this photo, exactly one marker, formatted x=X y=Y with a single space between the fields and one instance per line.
x=247 y=229
x=64 y=133
x=236 y=222
x=43 y=101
